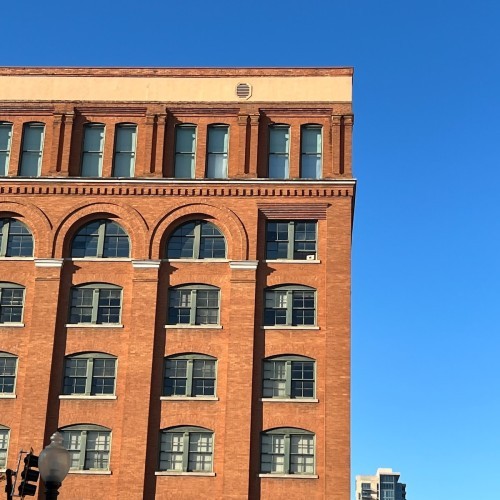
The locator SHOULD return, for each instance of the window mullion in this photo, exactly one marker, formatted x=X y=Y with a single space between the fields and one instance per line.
x=289 y=307
x=288 y=379
x=5 y=236
x=83 y=450
x=89 y=375
x=95 y=304
x=192 y=311
x=287 y=454
x=189 y=375
x=197 y=240
x=291 y=240
x=185 y=452
x=101 y=234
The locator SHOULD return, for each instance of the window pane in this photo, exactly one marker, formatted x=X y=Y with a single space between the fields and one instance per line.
x=184 y=152
x=7 y=374
x=217 y=166
x=109 y=306
x=103 y=377
x=200 y=452
x=274 y=385
x=171 y=451
x=278 y=166
x=11 y=305
x=5 y=141
x=179 y=311
x=278 y=139
x=75 y=376
x=175 y=382
x=181 y=243
x=217 y=139
x=311 y=167
x=81 y=305
x=4 y=446
x=72 y=442
x=30 y=163
x=311 y=140
x=184 y=166
x=97 y=452
x=19 y=238
x=277 y=240
x=92 y=150
x=302 y=455
x=124 y=165
x=207 y=307
x=203 y=377
x=125 y=138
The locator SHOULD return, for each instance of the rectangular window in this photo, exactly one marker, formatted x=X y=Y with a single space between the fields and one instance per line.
x=5 y=144
x=217 y=152
x=125 y=144
x=288 y=379
x=11 y=304
x=189 y=377
x=89 y=450
x=93 y=148
x=279 y=146
x=32 y=148
x=291 y=240
x=288 y=307
x=311 y=148
x=95 y=305
x=198 y=306
x=90 y=376
x=287 y=453
x=185 y=147
x=4 y=447
x=186 y=451
x=7 y=374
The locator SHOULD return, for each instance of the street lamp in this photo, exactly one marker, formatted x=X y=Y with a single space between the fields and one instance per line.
x=53 y=463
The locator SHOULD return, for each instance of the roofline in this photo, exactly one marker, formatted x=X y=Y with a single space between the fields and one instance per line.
x=174 y=72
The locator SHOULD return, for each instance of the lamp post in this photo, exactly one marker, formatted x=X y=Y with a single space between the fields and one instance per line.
x=53 y=463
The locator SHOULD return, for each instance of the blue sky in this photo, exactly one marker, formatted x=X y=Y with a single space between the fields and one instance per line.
x=426 y=271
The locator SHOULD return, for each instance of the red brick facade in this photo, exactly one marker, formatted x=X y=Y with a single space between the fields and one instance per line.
x=149 y=207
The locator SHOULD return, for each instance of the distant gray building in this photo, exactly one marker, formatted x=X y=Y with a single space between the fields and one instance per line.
x=384 y=485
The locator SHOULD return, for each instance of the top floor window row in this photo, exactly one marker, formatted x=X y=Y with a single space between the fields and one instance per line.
x=185 y=150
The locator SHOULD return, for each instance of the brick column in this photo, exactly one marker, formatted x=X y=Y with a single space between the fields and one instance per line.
x=336 y=148
x=57 y=142
x=37 y=365
x=253 y=148
x=159 y=146
x=134 y=429
x=65 y=146
x=239 y=368
x=346 y=167
x=242 y=168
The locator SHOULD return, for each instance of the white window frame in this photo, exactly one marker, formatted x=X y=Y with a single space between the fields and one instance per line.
x=8 y=127
x=131 y=154
x=96 y=290
x=6 y=233
x=25 y=152
x=99 y=153
x=10 y=286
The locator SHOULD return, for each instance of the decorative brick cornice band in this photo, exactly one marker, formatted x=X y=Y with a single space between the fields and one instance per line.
x=27 y=109
x=216 y=191
x=111 y=110
x=315 y=211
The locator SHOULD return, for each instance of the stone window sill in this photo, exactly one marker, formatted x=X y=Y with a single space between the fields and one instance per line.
x=8 y=396
x=194 y=327
x=189 y=398
x=290 y=476
x=92 y=325
x=211 y=261
x=98 y=259
x=11 y=325
x=289 y=400
x=174 y=473
x=292 y=261
x=285 y=327
x=87 y=397
x=91 y=472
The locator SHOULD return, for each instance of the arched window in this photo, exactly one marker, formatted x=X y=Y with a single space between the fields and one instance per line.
x=217 y=151
x=190 y=375
x=290 y=305
x=310 y=152
x=16 y=239
x=95 y=303
x=4 y=445
x=193 y=305
x=102 y=239
x=287 y=450
x=89 y=374
x=93 y=150
x=32 y=149
x=197 y=239
x=186 y=449
x=89 y=446
x=289 y=377
x=185 y=151
x=11 y=303
x=279 y=151
x=8 y=369
x=5 y=145
x=125 y=145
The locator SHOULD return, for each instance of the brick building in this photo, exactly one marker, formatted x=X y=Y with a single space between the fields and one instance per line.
x=175 y=279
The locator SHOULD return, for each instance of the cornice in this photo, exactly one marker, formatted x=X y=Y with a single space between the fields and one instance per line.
x=265 y=189
x=202 y=111
x=26 y=109
x=111 y=110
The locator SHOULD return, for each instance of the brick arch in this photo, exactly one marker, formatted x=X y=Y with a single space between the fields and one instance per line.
x=128 y=217
x=226 y=220
x=36 y=221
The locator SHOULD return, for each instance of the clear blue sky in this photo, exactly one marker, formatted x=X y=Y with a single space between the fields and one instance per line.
x=426 y=343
